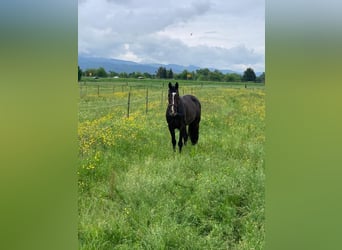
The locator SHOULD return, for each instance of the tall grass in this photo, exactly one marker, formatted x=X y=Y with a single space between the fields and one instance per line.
x=136 y=193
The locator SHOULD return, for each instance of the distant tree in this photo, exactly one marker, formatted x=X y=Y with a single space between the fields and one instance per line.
x=232 y=77
x=123 y=75
x=161 y=73
x=261 y=78
x=79 y=73
x=147 y=75
x=139 y=74
x=101 y=72
x=183 y=75
x=132 y=75
x=113 y=73
x=202 y=74
x=90 y=72
x=216 y=75
x=204 y=71
x=169 y=74
x=249 y=75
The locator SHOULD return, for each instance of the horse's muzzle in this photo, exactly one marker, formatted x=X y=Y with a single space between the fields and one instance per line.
x=173 y=114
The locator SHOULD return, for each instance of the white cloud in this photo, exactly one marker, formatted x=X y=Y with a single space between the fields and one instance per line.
x=222 y=34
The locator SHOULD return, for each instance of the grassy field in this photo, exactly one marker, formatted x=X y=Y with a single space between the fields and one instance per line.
x=136 y=193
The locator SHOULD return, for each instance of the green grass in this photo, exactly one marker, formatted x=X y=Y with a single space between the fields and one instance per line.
x=136 y=193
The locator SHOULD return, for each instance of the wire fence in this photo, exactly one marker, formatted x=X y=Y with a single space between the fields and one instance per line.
x=110 y=95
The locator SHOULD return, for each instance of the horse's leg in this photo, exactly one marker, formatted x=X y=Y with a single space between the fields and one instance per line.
x=173 y=138
x=180 y=141
x=182 y=135
x=185 y=135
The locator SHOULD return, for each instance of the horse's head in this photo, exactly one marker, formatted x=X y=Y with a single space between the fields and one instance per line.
x=173 y=99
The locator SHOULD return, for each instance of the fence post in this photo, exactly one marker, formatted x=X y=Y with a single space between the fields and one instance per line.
x=146 y=100
x=128 y=103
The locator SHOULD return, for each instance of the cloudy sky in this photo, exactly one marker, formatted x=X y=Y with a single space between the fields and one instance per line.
x=223 y=34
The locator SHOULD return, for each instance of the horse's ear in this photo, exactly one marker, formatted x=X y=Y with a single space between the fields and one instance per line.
x=170 y=85
x=176 y=85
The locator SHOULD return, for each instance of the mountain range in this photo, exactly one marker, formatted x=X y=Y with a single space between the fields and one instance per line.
x=120 y=66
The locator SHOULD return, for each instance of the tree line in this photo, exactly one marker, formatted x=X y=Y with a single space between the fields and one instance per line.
x=163 y=73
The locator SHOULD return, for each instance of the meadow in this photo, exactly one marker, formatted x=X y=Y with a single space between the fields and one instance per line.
x=136 y=193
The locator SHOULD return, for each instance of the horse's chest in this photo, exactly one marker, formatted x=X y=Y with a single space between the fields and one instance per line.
x=175 y=122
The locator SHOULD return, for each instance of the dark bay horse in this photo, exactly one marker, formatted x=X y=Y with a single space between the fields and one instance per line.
x=183 y=111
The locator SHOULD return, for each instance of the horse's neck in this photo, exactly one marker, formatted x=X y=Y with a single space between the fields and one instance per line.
x=180 y=109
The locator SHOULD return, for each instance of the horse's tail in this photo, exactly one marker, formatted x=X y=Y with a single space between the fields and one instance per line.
x=194 y=132
x=194 y=126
